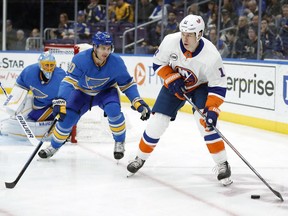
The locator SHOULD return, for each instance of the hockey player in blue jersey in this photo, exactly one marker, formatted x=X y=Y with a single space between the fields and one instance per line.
x=43 y=80
x=93 y=80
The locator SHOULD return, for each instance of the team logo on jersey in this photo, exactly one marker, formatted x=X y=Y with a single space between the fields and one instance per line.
x=285 y=89
x=94 y=83
x=37 y=93
x=190 y=77
x=140 y=74
x=173 y=57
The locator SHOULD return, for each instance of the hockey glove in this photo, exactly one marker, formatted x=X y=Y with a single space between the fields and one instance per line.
x=175 y=83
x=139 y=105
x=59 y=107
x=210 y=121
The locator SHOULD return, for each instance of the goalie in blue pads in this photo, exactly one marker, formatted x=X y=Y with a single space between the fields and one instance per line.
x=42 y=79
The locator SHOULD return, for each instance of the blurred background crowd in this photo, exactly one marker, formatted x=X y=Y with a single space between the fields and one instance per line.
x=245 y=29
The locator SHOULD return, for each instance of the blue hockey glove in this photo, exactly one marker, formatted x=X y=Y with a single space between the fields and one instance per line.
x=211 y=114
x=175 y=84
x=139 y=105
x=59 y=107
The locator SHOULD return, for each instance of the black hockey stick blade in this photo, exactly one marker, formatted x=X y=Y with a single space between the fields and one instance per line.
x=14 y=183
x=277 y=194
x=235 y=150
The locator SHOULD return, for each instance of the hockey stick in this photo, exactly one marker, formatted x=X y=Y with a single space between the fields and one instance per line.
x=4 y=91
x=13 y=184
x=235 y=150
x=29 y=133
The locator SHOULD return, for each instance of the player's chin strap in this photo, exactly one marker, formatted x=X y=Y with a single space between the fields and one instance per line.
x=233 y=148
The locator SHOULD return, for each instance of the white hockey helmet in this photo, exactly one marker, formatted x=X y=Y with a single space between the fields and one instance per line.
x=193 y=24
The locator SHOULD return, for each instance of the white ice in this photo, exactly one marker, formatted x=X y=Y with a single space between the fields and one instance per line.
x=84 y=179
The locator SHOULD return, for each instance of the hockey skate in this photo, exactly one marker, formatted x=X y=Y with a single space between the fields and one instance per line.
x=224 y=172
x=134 y=166
x=47 y=153
x=119 y=150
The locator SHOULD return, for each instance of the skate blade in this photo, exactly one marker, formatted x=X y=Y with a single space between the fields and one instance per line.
x=226 y=181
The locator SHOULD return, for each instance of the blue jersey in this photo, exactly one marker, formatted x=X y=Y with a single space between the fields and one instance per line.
x=84 y=75
x=43 y=92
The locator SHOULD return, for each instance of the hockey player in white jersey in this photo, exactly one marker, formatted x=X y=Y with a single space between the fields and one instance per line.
x=186 y=60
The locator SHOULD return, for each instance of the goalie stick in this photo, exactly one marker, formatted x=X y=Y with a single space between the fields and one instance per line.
x=13 y=184
x=234 y=149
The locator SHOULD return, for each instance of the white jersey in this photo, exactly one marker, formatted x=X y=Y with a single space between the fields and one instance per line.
x=202 y=66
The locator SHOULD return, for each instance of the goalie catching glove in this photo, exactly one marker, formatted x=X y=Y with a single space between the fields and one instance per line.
x=139 y=105
x=210 y=121
x=59 y=108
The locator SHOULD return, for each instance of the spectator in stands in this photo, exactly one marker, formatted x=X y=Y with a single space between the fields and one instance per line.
x=251 y=10
x=254 y=21
x=145 y=8
x=194 y=9
x=211 y=9
x=251 y=45
x=283 y=33
x=220 y=44
x=278 y=48
x=242 y=28
x=124 y=12
x=153 y=39
x=20 y=43
x=82 y=29
x=230 y=6
x=111 y=11
x=63 y=25
x=274 y=9
x=158 y=13
x=267 y=38
x=172 y=24
x=94 y=12
x=34 y=40
x=226 y=21
x=10 y=35
x=235 y=46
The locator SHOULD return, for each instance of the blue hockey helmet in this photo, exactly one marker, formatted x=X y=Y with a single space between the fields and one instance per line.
x=47 y=64
x=102 y=38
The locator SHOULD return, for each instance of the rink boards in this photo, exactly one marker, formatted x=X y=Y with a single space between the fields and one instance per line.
x=257 y=91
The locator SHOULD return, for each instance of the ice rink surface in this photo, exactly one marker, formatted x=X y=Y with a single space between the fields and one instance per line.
x=84 y=179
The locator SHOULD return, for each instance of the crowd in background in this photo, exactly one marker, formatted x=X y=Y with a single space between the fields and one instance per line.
x=234 y=31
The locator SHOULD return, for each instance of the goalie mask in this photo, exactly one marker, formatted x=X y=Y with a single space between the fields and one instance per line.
x=47 y=64
x=103 y=38
x=193 y=24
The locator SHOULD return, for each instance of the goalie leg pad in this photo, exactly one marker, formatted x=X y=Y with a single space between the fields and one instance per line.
x=10 y=127
x=16 y=100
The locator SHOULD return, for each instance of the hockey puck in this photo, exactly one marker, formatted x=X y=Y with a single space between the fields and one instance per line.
x=255 y=196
